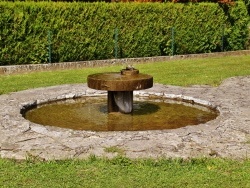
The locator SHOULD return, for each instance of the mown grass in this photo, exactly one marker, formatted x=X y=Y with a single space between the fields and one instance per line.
x=209 y=71
x=123 y=172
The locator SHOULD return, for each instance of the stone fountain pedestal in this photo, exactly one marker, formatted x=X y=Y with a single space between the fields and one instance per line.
x=120 y=87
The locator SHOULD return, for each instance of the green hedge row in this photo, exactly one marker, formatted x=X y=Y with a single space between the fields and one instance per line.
x=88 y=31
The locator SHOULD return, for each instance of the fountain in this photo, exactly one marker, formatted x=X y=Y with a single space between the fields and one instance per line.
x=119 y=111
x=120 y=87
x=46 y=140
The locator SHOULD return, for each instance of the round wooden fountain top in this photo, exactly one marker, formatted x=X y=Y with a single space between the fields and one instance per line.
x=128 y=79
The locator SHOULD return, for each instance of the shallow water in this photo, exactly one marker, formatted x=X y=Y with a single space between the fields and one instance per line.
x=90 y=113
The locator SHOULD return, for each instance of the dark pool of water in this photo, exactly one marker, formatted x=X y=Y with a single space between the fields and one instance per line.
x=90 y=113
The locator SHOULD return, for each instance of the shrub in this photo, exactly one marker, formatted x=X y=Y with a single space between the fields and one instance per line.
x=85 y=31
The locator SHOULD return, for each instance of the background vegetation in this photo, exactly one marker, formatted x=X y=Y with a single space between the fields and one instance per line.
x=87 y=31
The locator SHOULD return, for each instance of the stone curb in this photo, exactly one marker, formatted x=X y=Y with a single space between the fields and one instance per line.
x=15 y=69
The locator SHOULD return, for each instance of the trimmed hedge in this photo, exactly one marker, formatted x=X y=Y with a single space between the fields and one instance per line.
x=86 y=31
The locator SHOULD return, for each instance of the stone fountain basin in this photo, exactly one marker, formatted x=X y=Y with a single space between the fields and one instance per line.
x=226 y=136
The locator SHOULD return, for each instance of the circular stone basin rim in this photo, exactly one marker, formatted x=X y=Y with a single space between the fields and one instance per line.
x=26 y=106
x=149 y=95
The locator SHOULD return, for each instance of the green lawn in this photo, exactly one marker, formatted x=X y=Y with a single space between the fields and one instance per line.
x=121 y=171
x=209 y=71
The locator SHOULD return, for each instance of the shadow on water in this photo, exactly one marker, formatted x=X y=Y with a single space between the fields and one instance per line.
x=144 y=108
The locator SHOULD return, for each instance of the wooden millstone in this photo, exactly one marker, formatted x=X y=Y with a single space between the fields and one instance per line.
x=120 y=87
x=115 y=81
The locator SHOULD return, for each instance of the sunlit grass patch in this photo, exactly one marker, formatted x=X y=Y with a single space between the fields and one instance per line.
x=125 y=172
x=209 y=71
